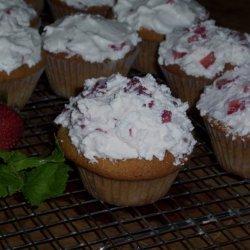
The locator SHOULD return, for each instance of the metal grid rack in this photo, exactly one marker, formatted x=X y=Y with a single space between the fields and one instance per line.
x=206 y=208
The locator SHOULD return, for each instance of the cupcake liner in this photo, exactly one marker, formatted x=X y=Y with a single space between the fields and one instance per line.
x=19 y=90
x=187 y=88
x=232 y=152
x=126 y=193
x=146 y=62
x=60 y=9
x=67 y=75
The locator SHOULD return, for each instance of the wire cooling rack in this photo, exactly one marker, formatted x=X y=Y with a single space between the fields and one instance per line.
x=206 y=208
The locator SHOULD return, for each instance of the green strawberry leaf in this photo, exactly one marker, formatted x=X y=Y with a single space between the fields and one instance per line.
x=38 y=178
x=36 y=189
x=10 y=182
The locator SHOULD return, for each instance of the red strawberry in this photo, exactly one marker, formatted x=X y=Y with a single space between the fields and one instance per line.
x=208 y=60
x=236 y=105
x=176 y=54
x=166 y=116
x=11 y=127
x=221 y=82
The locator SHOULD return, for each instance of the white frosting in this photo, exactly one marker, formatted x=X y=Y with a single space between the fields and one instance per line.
x=94 y=38
x=120 y=118
x=161 y=16
x=17 y=12
x=18 y=46
x=204 y=49
x=228 y=100
x=82 y=4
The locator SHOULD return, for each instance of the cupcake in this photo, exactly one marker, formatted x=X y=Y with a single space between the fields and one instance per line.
x=61 y=8
x=193 y=58
x=82 y=46
x=128 y=137
x=154 y=20
x=18 y=13
x=38 y=5
x=225 y=108
x=21 y=63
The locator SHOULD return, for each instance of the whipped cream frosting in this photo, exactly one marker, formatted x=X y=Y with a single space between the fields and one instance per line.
x=123 y=118
x=18 y=46
x=161 y=16
x=82 y=4
x=94 y=38
x=205 y=49
x=17 y=12
x=228 y=101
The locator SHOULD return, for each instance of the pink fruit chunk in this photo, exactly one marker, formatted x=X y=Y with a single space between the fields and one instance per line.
x=236 y=105
x=221 y=82
x=208 y=60
x=117 y=47
x=177 y=55
x=166 y=116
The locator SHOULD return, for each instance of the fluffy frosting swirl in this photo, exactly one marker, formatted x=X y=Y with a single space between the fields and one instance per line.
x=16 y=12
x=228 y=101
x=18 y=46
x=82 y=4
x=205 y=49
x=159 y=15
x=122 y=118
x=94 y=38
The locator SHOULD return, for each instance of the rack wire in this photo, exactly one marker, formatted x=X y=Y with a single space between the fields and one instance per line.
x=206 y=208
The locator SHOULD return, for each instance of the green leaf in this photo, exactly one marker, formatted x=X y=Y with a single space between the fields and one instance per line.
x=44 y=182
x=10 y=183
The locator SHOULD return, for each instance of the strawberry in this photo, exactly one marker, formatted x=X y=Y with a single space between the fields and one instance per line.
x=236 y=105
x=221 y=82
x=11 y=127
x=176 y=54
x=208 y=60
x=166 y=116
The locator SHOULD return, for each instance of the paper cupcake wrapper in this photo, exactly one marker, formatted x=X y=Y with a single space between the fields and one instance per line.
x=126 y=193
x=187 y=88
x=60 y=9
x=19 y=91
x=67 y=75
x=146 y=61
x=232 y=153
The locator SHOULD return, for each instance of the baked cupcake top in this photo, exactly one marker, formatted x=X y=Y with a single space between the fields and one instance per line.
x=94 y=38
x=204 y=49
x=18 y=46
x=161 y=16
x=17 y=12
x=228 y=101
x=83 y=4
x=122 y=118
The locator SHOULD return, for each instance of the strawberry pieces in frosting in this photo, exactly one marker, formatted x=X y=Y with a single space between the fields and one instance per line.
x=221 y=82
x=177 y=55
x=166 y=116
x=200 y=32
x=236 y=105
x=117 y=47
x=208 y=60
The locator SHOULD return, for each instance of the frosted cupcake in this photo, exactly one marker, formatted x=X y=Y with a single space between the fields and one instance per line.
x=154 y=20
x=225 y=107
x=83 y=46
x=192 y=58
x=21 y=63
x=128 y=137
x=18 y=13
x=61 y=8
